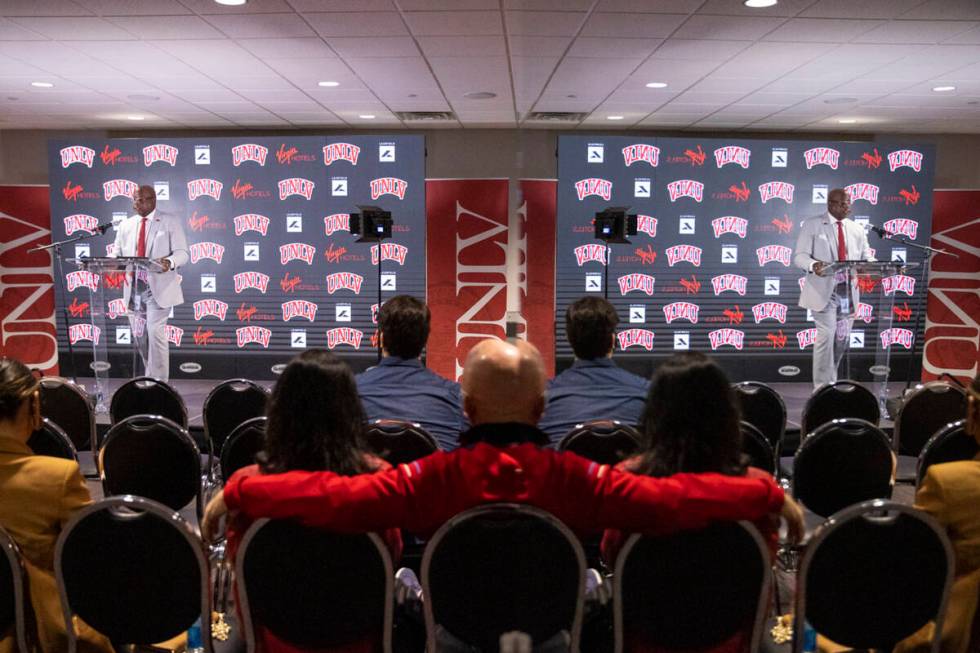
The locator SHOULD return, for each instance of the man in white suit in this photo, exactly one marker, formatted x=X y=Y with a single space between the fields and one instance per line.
x=832 y=298
x=159 y=237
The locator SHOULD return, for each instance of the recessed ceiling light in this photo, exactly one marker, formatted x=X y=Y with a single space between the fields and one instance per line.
x=134 y=118
x=760 y=4
x=943 y=89
x=231 y=3
x=847 y=121
x=656 y=84
x=366 y=116
x=840 y=100
x=42 y=84
x=328 y=84
x=614 y=117
x=479 y=95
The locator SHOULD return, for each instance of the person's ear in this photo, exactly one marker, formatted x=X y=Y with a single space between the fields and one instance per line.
x=35 y=410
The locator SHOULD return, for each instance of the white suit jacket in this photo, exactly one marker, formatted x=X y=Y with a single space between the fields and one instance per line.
x=818 y=242
x=164 y=239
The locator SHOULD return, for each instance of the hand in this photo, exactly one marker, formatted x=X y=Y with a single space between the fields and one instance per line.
x=792 y=514
x=818 y=268
x=213 y=512
x=165 y=263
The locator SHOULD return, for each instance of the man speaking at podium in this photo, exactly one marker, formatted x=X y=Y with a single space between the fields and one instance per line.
x=161 y=238
x=831 y=296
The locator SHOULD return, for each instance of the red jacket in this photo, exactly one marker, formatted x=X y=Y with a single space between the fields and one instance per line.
x=420 y=496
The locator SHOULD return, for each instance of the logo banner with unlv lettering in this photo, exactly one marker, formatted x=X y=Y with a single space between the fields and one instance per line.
x=537 y=215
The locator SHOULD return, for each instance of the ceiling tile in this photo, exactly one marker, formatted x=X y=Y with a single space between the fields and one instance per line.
x=463 y=46
x=916 y=31
x=574 y=74
x=863 y=9
x=134 y=7
x=698 y=50
x=543 y=23
x=312 y=47
x=262 y=26
x=946 y=10
x=632 y=25
x=214 y=94
x=538 y=46
x=733 y=28
x=728 y=8
x=454 y=23
x=264 y=95
x=677 y=74
x=625 y=48
x=825 y=30
x=395 y=76
x=341 y=5
x=46 y=8
x=167 y=27
x=549 y=5
x=382 y=46
x=720 y=84
x=447 y=5
x=252 y=7
x=79 y=28
x=10 y=31
x=650 y=6
x=358 y=23
x=770 y=60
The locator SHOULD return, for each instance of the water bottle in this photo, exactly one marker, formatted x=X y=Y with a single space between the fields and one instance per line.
x=194 y=642
x=809 y=638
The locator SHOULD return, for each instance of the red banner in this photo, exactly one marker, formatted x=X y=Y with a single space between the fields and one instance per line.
x=952 y=336
x=28 y=330
x=537 y=214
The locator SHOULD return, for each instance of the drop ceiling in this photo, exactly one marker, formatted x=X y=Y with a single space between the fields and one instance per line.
x=801 y=65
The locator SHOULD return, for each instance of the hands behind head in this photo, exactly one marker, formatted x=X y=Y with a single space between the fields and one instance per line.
x=213 y=512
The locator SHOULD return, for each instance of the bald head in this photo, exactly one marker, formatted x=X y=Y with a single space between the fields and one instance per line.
x=503 y=382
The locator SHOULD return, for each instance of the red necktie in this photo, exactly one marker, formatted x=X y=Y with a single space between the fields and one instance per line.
x=841 y=247
x=141 y=239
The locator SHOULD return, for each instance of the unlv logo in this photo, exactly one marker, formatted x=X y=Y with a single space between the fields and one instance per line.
x=592 y=252
x=296 y=251
x=636 y=281
x=77 y=154
x=209 y=250
x=84 y=331
x=769 y=311
x=732 y=154
x=732 y=282
x=640 y=152
x=251 y=222
x=862 y=191
x=681 y=311
x=248 y=152
x=295 y=186
x=770 y=253
x=389 y=252
x=864 y=312
x=593 y=186
x=210 y=308
x=298 y=308
x=340 y=152
x=688 y=253
x=730 y=224
x=635 y=337
x=898 y=282
x=344 y=281
x=116 y=307
x=903 y=337
x=80 y=222
x=902 y=226
x=826 y=156
x=776 y=189
x=198 y=187
x=647 y=224
x=256 y=280
x=159 y=152
x=897 y=159
x=722 y=337
x=388 y=186
x=336 y=222
x=175 y=335
x=253 y=334
x=806 y=337
x=685 y=188
x=82 y=278
x=344 y=336
x=118 y=188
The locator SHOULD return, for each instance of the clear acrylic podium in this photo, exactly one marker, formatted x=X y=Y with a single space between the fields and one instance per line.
x=134 y=270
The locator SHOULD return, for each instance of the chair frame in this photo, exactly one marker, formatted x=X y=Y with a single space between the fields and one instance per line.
x=921 y=390
x=497 y=509
x=219 y=387
x=137 y=504
x=403 y=424
x=60 y=434
x=23 y=637
x=630 y=431
x=943 y=433
x=760 y=386
x=846 y=515
x=56 y=381
x=242 y=595
x=233 y=436
x=148 y=379
x=805 y=428
x=765 y=587
x=773 y=467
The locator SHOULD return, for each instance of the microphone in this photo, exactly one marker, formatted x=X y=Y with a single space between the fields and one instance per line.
x=878 y=230
x=106 y=226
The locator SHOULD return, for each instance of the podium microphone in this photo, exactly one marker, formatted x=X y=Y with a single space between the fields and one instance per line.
x=106 y=226
x=878 y=230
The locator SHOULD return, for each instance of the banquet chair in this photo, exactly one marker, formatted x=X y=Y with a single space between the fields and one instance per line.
x=16 y=612
x=762 y=407
x=836 y=401
x=50 y=440
x=229 y=404
x=398 y=441
x=241 y=445
x=925 y=410
x=757 y=448
x=950 y=443
x=147 y=396
x=605 y=441
x=67 y=405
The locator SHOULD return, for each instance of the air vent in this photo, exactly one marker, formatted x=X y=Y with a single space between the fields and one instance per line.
x=425 y=116
x=556 y=116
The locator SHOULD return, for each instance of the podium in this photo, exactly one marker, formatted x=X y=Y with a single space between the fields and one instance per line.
x=878 y=283
x=135 y=270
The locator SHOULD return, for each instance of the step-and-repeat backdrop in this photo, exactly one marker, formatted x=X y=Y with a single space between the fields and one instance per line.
x=273 y=267
x=711 y=267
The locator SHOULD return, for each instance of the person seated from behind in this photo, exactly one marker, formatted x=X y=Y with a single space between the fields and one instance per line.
x=39 y=495
x=315 y=422
x=690 y=423
x=594 y=387
x=400 y=387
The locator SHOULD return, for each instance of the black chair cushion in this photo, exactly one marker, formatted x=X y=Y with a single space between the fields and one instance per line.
x=837 y=401
x=241 y=446
x=757 y=448
x=228 y=405
x=762 y=407
x=604 y=441
x=144 y=396
x=925 y=411
x=948 y=445
x=398 y=441
x=50 y=440
x=69 y=409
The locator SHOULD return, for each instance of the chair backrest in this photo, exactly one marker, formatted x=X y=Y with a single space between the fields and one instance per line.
x=229 y=404
x=147 y=396
x=398 y=441
x=756 y=446
x=665 y=588
x=150 y=456
x=925 y=410
x=606 y=441
x=16 y=613
x=844 y=462
x=50 y=440
x=836 y=401
x=950 y=443
x=874 y=574
x=500 y=568
x=133 y=570
x=68 y=406
x=314 y=589
x=763 y=408
x=246 y=440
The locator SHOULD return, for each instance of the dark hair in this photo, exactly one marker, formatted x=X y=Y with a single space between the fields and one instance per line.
x=404 y=322
x=691 y=420
x=590 y=323
x=315 y=418
x=16 y=384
